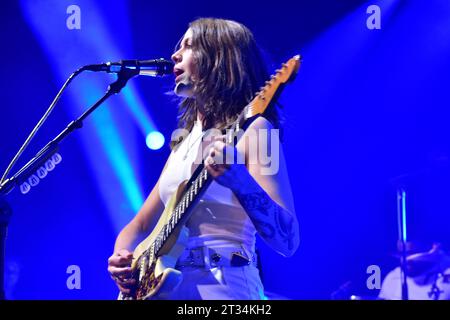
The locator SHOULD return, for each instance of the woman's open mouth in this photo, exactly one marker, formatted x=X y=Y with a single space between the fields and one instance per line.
x=177 y=72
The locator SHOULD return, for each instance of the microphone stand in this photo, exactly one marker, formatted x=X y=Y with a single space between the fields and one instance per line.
x=43 y=155
x=5 y=215
x=401 y=215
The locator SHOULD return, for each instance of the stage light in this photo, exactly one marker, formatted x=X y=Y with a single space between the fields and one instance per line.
x=155 y=140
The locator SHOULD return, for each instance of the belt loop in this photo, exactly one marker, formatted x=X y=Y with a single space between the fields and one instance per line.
x=250 y=255
x=206 y=257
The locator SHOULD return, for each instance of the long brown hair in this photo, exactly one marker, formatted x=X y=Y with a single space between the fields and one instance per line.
x=230 y=69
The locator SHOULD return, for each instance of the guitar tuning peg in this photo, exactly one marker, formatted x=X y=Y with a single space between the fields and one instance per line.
x=272 y=77
x=269 y=83
x=284 y=65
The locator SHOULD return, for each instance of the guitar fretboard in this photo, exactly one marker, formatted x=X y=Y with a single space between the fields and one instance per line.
x=190 y=196
x=195 y=189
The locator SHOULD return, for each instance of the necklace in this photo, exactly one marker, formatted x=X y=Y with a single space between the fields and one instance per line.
x=190 y=146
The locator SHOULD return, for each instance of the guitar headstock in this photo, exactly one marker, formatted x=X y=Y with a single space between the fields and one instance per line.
x=286 y=73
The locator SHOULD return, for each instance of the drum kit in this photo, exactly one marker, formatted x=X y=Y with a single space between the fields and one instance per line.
x=429 y=263
x=432 y=265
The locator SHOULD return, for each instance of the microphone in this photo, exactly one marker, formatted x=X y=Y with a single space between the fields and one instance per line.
x=153 y=68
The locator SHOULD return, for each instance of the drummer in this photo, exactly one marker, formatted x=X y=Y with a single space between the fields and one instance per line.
x=428 y=277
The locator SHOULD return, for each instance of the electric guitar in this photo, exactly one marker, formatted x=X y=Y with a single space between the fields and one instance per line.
x=154 y=259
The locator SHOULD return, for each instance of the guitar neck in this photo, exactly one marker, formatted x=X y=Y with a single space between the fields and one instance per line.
x=196 y=187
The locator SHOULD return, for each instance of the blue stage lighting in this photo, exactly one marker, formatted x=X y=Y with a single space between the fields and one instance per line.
x=155 y=140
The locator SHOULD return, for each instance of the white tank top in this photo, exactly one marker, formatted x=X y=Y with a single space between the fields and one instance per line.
x=218 y=218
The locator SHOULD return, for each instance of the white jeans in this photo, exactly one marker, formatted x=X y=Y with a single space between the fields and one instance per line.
x=220 y=283
x=206 y=280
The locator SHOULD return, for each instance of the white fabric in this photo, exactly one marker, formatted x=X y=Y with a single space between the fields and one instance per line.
x=419 y=288
x=218 y=217
x=225 y=283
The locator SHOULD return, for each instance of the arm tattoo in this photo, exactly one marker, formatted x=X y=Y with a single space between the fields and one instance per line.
x=265 y=229
x=270 y=219
x=256 y=201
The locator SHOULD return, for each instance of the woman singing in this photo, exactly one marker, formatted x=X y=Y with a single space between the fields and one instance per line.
x=218 y=69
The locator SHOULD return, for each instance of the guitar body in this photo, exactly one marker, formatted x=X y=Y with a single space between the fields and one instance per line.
x=158 y=277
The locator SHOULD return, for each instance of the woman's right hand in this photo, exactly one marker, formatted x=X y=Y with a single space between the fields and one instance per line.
x=119 y=267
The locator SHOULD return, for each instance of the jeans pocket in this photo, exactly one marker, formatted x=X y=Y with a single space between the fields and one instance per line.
x=243 y=282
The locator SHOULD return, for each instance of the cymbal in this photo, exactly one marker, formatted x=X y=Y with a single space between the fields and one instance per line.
x=435 y=255
x=418 y=252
